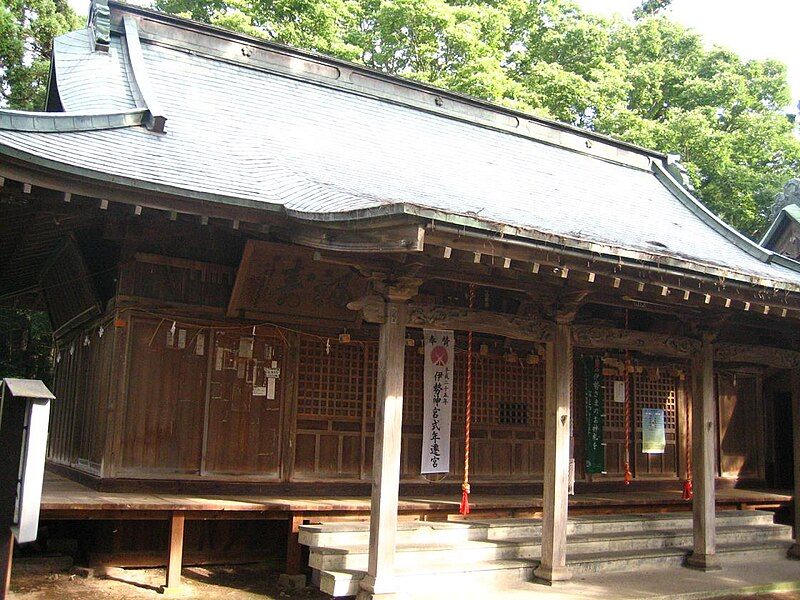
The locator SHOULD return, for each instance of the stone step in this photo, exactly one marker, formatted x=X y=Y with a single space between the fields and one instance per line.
x=444 y=532
x=413 y=555
x=463 y=575
x=440 y=577
x=645 y=560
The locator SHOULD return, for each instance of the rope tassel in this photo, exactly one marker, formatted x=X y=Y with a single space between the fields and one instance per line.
x=464 y=508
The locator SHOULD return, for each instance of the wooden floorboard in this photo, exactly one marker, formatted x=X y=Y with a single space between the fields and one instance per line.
x=62 y=497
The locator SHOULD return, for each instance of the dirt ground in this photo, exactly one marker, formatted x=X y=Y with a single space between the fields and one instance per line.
x=243 y=582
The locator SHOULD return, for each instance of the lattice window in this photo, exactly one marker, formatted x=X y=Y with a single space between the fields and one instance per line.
x=655 y=393
x=614 y=424
x=512 y=413
x=413 y=386
x=370 y=378
x=330 y=384
x=496 y=381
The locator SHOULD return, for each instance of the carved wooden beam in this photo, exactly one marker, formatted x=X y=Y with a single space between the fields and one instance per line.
x=641 y=341
x=433 y=316
x=760 y=355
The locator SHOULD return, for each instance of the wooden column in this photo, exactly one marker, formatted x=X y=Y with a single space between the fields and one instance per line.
x=6 y=560
x=175 y=559
x=294 y=552
x=379 y=580
x=558 y=373
x=794 y=551
x=704 y=412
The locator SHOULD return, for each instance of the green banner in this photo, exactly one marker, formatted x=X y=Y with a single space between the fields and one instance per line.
x=593 y=393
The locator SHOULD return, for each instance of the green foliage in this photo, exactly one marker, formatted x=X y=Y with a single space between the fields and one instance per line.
x=649 y=8
x=25 y=344
x=650 y=81
x=27 y=28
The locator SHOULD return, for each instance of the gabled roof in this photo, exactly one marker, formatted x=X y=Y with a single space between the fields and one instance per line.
x=260 y=125
x=788 y=214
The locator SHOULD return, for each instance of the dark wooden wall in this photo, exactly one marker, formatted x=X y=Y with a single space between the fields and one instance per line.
x=164 y=399
x=82 y=383
x=740 y=426
x=168 y=391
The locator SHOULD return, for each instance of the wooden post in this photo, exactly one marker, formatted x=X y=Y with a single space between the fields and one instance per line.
x=6 y=560
x=704 y=412
x=794 y=551
x=379 y=580
x=558 y=373
x=175 y=559
x=294 y=552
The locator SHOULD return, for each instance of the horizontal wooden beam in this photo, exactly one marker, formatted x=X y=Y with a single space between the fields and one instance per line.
x=454 y=317
x=759 y=355
x=435 y=316
x=397 y=238
x=586 y=336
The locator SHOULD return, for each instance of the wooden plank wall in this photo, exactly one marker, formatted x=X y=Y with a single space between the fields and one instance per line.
x=164 y=403
x=188 y=410
x=243 y=428
x=81 y=383
x=182 y=400
x=741 y=425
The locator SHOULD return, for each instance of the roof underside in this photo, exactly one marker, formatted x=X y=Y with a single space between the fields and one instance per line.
x=318 y=152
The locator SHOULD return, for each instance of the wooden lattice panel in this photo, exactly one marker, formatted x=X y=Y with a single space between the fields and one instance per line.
x=503 y=392
x=508 y=393
x=656 y=393
x=330 y=383
x=614 y=425
x=370 y=379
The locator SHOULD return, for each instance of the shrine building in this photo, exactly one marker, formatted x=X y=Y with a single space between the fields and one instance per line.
x=289 y=289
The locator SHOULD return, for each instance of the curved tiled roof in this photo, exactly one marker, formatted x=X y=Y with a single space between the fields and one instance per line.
x=308 y=137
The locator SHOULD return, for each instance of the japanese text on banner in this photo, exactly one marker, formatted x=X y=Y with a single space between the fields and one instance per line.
x=439 y=353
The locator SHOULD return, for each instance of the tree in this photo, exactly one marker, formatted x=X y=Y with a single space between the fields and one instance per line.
x=649 y=8
x=27 y=29
x=25 y=344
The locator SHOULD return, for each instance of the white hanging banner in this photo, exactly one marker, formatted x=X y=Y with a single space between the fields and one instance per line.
x=439 y=351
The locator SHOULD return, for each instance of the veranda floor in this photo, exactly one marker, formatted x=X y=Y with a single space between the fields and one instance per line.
x=64 y=498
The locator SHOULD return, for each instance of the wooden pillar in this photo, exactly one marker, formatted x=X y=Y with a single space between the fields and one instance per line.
x=704 y=412
x=294 y=552
x=175 y=559
x=379 y=580
x=794 y=551
x=558 y=373
x=6 y=560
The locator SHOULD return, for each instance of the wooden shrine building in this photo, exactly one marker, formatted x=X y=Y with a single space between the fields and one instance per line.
x=239 y=245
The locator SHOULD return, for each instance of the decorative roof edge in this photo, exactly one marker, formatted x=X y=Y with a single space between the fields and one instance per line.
x=714 y=222
x=50 y=122
x=462 y=223
x=140 y=80
x=100 y=25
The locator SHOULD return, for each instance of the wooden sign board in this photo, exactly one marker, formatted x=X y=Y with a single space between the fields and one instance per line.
x=277 y=279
